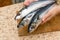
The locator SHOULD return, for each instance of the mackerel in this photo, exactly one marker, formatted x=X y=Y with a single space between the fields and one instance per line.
x=37 y=19
x=32 y=7
x=27 y=20
x=32 y=15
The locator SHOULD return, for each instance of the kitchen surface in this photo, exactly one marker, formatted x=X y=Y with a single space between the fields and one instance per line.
x=9 y=30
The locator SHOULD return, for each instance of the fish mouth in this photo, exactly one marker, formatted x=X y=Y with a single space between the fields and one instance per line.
x=32 y=26
x=25 y=21
x=18 y=17
x=31 y=8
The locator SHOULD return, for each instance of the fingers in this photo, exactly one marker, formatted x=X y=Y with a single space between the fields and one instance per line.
x=27 y=2
x=47 y=18
x=50 y=14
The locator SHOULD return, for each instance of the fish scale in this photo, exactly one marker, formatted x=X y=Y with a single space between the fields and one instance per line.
x=32 y=7
x=37 y=19
x=33 y=14
x=26 y=18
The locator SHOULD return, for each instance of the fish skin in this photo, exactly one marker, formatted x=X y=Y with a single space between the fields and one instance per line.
x=24 y=14
x=32 y=7
x=26 y=18
x=37 y=20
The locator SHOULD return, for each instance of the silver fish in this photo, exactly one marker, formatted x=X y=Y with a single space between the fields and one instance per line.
x=37 y=20
x=32 y=7
x=26 y=21
x=29 y=15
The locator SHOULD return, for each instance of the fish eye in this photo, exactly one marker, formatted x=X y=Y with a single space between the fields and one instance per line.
x=32 y=27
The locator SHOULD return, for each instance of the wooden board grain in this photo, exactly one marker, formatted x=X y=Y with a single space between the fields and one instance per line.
x=8 y=26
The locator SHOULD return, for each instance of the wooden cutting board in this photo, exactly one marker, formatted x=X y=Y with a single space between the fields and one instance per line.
x=8 y=26
x=52 y=25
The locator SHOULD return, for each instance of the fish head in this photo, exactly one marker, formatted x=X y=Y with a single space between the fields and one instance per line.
x=19 y=14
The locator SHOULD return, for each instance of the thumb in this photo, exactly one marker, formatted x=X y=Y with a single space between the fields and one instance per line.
x=26 y=3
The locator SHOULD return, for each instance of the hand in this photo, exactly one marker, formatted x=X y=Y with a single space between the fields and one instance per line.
x=27 y=2
x=54 y=11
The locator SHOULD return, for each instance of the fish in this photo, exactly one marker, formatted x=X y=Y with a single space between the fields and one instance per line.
x=37 y=19
x=31 y=16
x=26 y=20
x=32 y=7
